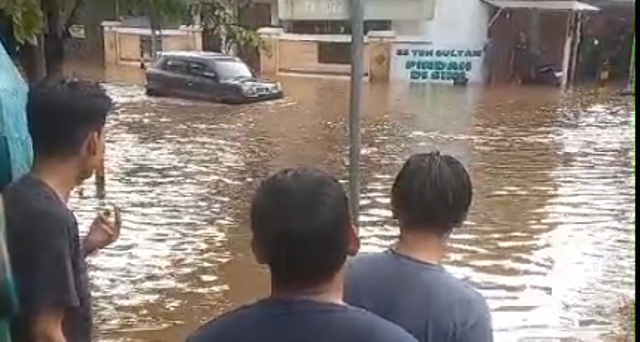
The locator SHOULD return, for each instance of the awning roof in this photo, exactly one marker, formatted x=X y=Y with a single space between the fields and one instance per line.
x=549 y=5
x=602 y=4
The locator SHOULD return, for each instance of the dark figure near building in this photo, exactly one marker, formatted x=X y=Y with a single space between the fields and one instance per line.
x=489 y=62
x=66 y=122
x=302 y=230
x=407 y=284
x=520 y=64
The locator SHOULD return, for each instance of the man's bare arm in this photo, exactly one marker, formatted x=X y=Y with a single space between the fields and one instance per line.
x=47 y=326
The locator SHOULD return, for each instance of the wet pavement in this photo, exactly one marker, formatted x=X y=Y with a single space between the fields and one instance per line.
x=549 y=241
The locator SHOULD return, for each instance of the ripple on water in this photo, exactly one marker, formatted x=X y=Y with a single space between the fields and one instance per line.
x=549 y=240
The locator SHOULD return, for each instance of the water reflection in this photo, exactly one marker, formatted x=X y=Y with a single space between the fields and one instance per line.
x=549 y=240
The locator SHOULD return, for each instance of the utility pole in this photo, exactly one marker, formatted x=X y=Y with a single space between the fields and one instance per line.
x=355 y=104
x=632 y=67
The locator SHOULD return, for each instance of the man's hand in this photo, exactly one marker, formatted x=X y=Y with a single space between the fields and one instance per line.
x=104 y=231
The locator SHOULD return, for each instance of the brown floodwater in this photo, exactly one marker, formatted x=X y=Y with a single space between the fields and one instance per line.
x=549 y=241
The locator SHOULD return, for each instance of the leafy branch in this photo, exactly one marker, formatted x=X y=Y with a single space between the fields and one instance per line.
x=218 y=17
x=26 y=19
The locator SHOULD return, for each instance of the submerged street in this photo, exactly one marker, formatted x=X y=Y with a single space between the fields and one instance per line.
x=549 y=240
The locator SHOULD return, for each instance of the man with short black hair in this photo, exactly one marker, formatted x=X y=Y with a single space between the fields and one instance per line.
x=66 y=122
x=407 y=284
x=302 y=230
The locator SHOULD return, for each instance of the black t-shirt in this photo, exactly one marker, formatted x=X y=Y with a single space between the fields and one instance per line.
x=297 y=320
x=46 y=259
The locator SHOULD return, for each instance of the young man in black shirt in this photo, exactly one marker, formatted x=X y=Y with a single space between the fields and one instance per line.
x=66 y=122
x=407 y=284
x=302 y=230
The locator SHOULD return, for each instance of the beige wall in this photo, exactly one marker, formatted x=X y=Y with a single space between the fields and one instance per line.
x=129 y=47
x=379 y=58
x=300 y=56
x=122 y=45
x=297 y=55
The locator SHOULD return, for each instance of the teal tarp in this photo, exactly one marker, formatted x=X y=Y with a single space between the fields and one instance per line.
x=15 y=143
x=15 y=159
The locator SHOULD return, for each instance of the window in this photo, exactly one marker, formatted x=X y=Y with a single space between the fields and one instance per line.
x=333 y=26
x=145 y=46
x=229 y=69
x=175 y=65
x=319 y=27
x=196 y=68
x=377 y=25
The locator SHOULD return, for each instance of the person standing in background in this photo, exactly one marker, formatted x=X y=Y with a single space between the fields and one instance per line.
x=302 y=230
x=489 y=62
x=407 y=284
x=520 y=64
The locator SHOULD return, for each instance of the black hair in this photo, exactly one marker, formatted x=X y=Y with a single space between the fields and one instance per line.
x=62 y=113
x=432 y=191
x=300 y=222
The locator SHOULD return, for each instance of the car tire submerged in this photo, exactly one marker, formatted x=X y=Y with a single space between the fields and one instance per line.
x=152 y=92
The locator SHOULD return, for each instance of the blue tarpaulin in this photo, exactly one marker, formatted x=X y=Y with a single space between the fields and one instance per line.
x=16 y=156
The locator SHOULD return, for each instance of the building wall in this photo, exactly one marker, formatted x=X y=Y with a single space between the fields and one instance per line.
x=298 y=55
x=442 y=25
x=123 y=46
x=458 y=22
x=450 y=43
x=339 y=9
x=301 y=56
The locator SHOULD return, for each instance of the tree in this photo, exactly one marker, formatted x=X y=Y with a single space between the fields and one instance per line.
x=42 y=27
x=222 y=28
x=26 y=25
x=26 y=19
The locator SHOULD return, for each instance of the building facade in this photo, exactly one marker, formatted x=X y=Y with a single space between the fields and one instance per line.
x=427 y=40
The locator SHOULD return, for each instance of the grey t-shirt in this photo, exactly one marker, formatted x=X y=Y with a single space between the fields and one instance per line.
x=426 y=300
x=46 y=259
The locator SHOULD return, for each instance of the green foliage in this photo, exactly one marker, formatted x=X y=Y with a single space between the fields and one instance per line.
x=157 y=11
x=215 y=15
x=218 y=17
x=26 y=19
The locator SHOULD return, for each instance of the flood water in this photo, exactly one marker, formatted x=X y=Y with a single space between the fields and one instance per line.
x=549 y=241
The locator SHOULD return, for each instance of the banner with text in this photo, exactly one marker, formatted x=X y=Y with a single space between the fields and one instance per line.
x=428 y=63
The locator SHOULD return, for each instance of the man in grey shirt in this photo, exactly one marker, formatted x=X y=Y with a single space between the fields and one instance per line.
x=407 y=284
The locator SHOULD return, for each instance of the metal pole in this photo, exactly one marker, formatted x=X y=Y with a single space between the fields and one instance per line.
x=632 y=67
x=568 y=49
x=355 y=104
